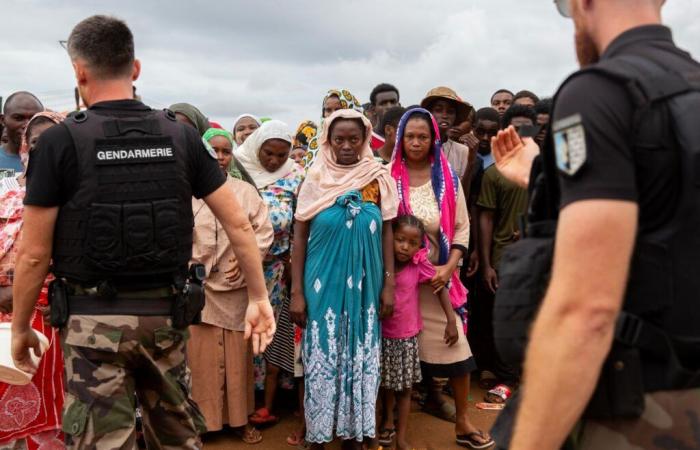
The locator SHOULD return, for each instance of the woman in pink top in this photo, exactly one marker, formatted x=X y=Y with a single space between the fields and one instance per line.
x=400 y=360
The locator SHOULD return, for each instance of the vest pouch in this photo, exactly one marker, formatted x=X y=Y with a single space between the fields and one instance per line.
x=167 y=222
x=104 y=237
x=619 y=393
x=523 y=278
x=139 y=235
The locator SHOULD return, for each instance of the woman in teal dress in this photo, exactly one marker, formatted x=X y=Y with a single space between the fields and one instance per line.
x=342 y=280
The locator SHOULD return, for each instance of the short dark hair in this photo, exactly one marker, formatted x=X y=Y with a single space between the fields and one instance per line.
x=526 y=94
x=411 y=221
x=16 y=95
x=392 y=117
x=487 y=114
x=501 y=91
x=382 y=87
x=544 y=106
x=105 y=43
x=518 y=111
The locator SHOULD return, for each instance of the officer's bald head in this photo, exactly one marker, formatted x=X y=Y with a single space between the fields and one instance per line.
x=104 y=45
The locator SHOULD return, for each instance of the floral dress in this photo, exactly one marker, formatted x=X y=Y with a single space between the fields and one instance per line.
x=280 y=198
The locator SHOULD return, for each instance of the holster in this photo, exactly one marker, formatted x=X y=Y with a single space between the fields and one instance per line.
x=58 y=299
x=187 y=309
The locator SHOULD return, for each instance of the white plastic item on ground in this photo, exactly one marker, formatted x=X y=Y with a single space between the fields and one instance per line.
x=8 y=372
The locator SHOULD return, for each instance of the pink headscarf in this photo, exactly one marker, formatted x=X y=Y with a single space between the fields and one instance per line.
x=327 y=180
x=446 y=188
x=11 y=206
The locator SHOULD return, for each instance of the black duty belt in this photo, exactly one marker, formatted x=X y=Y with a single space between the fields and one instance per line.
x=99 y=306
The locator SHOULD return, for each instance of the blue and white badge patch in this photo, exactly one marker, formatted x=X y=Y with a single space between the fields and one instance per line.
x=209 y=148
x=570 y=144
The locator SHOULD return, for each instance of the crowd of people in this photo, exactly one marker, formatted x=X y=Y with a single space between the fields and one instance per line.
x=380 y=228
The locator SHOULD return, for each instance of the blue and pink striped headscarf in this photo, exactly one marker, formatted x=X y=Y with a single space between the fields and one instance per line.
x=445 y=184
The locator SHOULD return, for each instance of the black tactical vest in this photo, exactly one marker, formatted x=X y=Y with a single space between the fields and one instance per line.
x=661 y=312
x=130 y=220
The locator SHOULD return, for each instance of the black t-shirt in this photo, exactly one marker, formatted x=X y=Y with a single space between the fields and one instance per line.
x=52 y=174
x=613 y=169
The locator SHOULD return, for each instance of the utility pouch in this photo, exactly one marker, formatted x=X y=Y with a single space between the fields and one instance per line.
x=620 y=390
x=104 y=237
x=138 y=235
x=58 y=299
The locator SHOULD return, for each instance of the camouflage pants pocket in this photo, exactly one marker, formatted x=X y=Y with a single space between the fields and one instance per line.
x=75 y=416
x=99 y=407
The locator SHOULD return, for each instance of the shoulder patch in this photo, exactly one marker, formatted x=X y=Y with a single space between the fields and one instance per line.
x=570 y=144
x=210 y=149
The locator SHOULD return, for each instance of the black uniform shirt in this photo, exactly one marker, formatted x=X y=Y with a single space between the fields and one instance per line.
x=612 y=168
x=52 y=174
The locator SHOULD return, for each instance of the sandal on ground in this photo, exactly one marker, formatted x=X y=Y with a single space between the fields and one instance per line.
x=249 y=435
x=487 y=380
x=446 y=411
x=499 y=394
x=386 y=436
x=471 y=440
x=296 y=438
x=263 y=417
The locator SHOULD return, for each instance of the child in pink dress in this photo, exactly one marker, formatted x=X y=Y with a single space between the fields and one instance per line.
x=400 y=361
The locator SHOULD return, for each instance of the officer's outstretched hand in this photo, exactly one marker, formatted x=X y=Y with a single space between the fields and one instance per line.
x=514 y=155
x=260 y=324
x=22 y=342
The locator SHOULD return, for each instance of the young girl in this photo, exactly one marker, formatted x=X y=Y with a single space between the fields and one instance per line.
x=400 y=362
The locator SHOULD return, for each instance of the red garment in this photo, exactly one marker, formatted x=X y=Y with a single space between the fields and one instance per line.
x=377 y=142
x=34 y=411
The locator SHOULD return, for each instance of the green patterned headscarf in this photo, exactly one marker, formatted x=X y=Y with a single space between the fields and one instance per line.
x=211 y=132
x=235 y=169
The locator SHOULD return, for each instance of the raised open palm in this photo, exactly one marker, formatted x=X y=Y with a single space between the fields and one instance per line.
x=514 y=155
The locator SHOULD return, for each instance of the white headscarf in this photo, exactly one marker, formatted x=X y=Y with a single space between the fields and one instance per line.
x=248 y=154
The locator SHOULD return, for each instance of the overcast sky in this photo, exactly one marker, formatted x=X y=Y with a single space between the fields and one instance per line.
x=277 y=58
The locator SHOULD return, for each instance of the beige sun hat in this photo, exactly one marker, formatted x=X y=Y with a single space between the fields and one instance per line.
x=445 y=93
x=8 y=372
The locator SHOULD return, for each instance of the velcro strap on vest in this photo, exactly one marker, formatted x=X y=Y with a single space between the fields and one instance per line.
x=632 y=331
x=120 y=306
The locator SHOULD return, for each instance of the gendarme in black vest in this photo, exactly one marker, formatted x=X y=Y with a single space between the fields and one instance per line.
x=130 y=220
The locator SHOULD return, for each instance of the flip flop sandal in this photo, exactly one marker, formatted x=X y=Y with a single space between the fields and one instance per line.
x=295 y=438
x=446 y=411
x=386 y=436
x=263 y=417
x=250 y=436
x=469 y=440
x=499 y=394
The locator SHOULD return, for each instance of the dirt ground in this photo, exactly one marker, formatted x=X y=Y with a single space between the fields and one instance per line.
x=425 y=432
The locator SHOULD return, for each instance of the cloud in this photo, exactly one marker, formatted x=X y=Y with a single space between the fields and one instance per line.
x=278 y=57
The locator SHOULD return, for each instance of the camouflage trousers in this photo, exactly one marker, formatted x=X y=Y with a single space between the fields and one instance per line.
x=111 y=360
x=671 y=421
